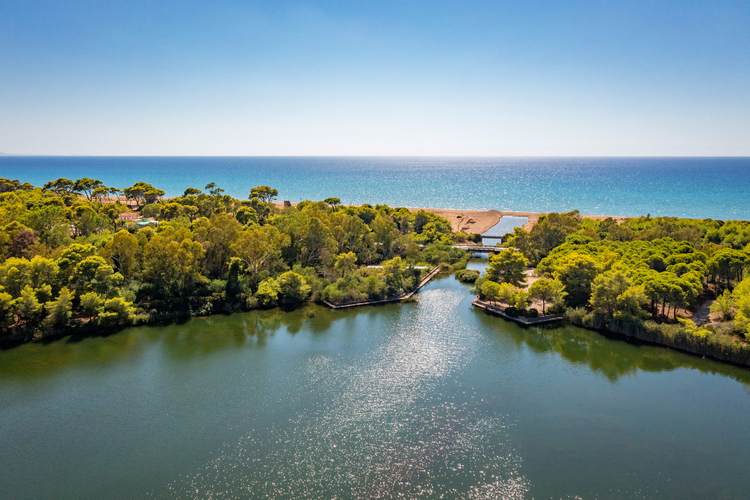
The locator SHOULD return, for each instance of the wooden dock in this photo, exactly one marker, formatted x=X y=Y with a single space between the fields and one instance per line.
x=496 y=310
x=405 y=296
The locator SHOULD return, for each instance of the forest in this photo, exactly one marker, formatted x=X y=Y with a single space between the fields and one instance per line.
x=646 y=273
x=79 y=255
x=82 y=256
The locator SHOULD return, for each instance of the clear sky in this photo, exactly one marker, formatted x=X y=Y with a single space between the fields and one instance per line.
x=405 y=77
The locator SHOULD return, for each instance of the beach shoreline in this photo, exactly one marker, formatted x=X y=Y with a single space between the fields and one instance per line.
x=461 y=220
x=481 y=221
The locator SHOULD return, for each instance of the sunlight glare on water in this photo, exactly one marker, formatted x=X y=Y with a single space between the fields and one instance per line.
x=386 y=425
x=433 y=399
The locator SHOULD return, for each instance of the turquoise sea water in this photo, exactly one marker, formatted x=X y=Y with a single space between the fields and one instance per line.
x=717 y=188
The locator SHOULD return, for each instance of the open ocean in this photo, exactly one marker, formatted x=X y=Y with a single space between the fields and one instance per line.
x=717 y=188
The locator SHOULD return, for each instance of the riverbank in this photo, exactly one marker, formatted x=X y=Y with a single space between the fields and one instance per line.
x=715 y=346
x=95 y=329
x=722 y=348
x=405 y=296
x=398 y=390
x=521 y=320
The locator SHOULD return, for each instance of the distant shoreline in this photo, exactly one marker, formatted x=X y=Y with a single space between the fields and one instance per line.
x=481 y=221
x=467 y=221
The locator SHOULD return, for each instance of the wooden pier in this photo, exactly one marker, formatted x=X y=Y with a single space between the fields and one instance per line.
x=498 y=311
x=405 y=296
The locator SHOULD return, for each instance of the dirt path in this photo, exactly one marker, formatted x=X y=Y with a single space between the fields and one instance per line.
x=701 y=316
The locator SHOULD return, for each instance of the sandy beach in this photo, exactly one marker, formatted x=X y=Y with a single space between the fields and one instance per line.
x=467 y=221
x=480 y=221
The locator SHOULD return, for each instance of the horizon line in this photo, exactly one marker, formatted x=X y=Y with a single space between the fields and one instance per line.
x=2 y=154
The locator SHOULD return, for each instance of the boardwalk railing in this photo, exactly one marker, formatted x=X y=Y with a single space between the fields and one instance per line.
x=405 y=296
x=518 y=319
x=479 y=248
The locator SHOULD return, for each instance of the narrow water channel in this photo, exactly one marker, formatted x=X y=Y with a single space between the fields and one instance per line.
x=424 y=400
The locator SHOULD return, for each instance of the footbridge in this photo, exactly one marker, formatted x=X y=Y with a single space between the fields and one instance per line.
x=479 y=248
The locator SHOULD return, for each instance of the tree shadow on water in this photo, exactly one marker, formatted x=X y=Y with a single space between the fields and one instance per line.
x=611 y=355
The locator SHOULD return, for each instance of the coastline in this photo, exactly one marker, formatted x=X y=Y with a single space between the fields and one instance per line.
x=461 y=220
x=481 y=221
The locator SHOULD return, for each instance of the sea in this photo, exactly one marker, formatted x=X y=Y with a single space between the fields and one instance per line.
x=695 y=187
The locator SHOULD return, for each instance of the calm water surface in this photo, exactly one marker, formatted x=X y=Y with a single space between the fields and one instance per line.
x=717 y=188
x=426 y=400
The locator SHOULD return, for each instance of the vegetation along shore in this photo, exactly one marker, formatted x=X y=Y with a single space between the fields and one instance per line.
x=676 y=282
x=78 y=256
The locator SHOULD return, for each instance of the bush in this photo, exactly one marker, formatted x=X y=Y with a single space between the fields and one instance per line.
x=512 y=312
x=556 y=308
x=520 y=300
x=251 y=302
x=532 y=313
x=117 y=311
x=268 y=292
x=467 y=276
x=461 y=264
x=575 y=315
x=593 y=320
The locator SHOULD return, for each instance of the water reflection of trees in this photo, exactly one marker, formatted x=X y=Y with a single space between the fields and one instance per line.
x=202 y=336
x=611 y=356
x=182 y=339
x=32 y=360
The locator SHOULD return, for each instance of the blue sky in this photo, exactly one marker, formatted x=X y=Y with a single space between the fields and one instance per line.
x=375 y=78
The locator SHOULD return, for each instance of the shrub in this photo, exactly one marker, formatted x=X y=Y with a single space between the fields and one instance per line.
x=268 y=292
x=467 y=275
x=556 y=308
x=575 y=315
x=117 y=311
x=520 y=300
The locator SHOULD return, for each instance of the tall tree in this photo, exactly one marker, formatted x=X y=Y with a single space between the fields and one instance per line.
x=259 y=248
x=605 y=290
x=508 y=266
x=577 y=272
x=265 y=194
x=548 y=291
x=87 y=187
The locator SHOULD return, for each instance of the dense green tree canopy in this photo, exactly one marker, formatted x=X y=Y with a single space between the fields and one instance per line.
x=69 y=259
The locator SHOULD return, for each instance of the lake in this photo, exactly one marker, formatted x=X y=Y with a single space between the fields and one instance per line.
x=432 y=399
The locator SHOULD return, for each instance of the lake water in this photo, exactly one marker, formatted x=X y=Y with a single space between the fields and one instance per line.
x=717 y=188
x=432 y=399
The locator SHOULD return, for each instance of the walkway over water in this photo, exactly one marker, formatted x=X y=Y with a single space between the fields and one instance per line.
x=550 y=318
x=405 y=296
x=479 y=248
x=422 y=400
